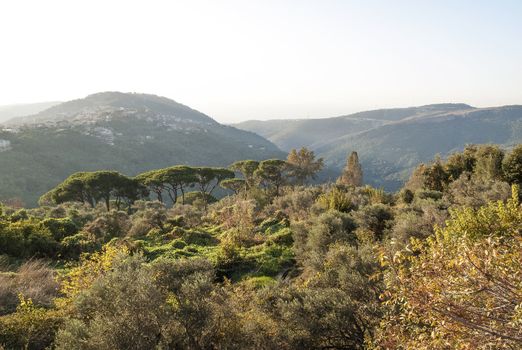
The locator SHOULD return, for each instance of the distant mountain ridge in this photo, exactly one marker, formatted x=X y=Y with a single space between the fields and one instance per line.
x=391 y=142
x=13 y=111
x=130 y=133
x=292 y=133
x=104 y=103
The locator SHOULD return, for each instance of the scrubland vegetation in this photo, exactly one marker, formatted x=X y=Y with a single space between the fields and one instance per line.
x=157 y=262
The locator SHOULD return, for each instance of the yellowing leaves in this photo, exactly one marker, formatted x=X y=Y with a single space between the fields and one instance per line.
x=91 y=267
x=463 y=287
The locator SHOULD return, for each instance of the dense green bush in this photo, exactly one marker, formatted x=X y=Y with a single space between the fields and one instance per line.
x=30 y=327
x=27 y=238
x=60 y=228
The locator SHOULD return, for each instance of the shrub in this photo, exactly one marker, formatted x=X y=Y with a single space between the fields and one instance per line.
x=406 y=196
x=148 y=215
x=109 y=225
x=198 y=237
x=313 y=240
x=374 y=219
x=461 y=287
x=34 y=280
x=428 y=194
x=234 y=212
x=283 y=236
x=122 y=310
x=377 y=195
x=476 y=192
x=73 y=246
x=60 y=228
x=190 y=215
x=336 y=199
x=296 y=203
x=415 y=224
x=27 y=238
x=30 y=327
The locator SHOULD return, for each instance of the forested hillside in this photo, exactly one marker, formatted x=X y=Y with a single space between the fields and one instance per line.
x=154 y=261
x=129 y=133
x=392 y=142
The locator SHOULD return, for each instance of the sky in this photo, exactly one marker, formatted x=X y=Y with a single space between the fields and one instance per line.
x=250 y=59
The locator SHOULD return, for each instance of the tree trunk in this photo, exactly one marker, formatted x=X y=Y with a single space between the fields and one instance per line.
x=182 y=195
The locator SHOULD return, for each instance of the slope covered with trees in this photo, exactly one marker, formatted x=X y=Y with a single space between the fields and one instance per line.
x=129 y=133
x=276 y=264
x=314 y=132
x=391 y=143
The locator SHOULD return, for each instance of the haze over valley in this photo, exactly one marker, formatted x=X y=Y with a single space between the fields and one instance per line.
x=392 y=142
x=133 y=132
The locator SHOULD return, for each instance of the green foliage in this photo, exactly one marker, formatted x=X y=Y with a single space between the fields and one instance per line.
x=435 y=176
x=512 y=166
x=108 y=225
x=461 y=162
x=112 y=323
x=373 y=220
x=330 y=266
x=312 y=241
x=377 y=195
x=234 y=185
x=72 y=247
x=260 y=282
x=271 y=174
x=208 y=178
x=476 y=192
x=174 y=181
x=30 y=327
x=27 y=238
x=60 y=228
x=93 y=187
x=335 y=307
x=302 y=165
x=336 y=199
x=483 y=162
x=489 y=162
x=296 y=203
x=247 y=168
x=460 y=289
x=198 y=198
x=120 y=136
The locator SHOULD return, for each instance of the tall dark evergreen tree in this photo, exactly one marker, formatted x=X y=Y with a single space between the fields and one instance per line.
x=352 y=173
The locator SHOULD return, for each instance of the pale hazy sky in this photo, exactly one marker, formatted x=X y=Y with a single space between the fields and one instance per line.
x=246 y=59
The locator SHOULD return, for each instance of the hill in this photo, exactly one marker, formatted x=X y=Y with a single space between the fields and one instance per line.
x=391 y=142
x=130 y=133
x=292 y=133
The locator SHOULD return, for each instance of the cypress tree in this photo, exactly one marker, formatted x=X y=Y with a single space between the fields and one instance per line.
x=352 y=172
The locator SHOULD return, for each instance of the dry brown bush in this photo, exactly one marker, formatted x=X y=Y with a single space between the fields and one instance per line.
x=34 y=279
